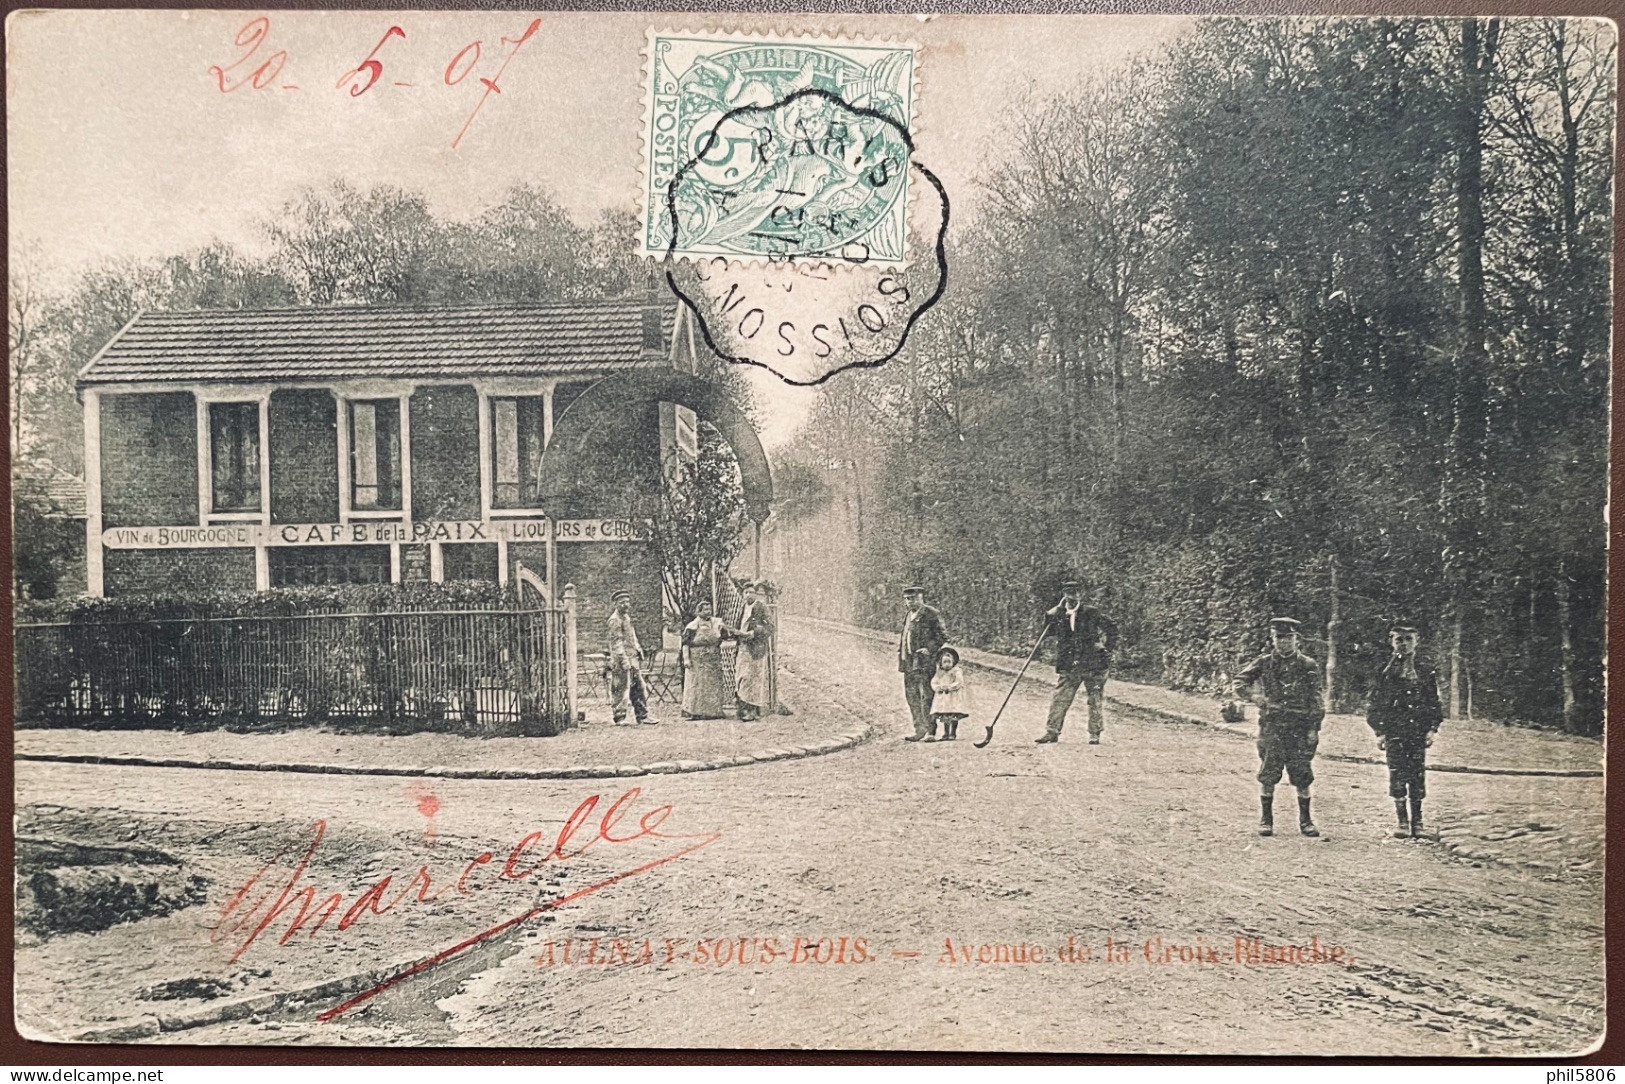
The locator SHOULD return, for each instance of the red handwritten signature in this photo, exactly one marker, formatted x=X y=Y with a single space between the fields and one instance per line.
x=243 y=72
x=238 y=916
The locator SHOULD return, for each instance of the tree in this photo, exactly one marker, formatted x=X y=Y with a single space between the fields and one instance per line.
x=1463 y=497
x=1548 y=184
x=34 y=376
x=523 y=248
x=338 y=245
x=694 y=519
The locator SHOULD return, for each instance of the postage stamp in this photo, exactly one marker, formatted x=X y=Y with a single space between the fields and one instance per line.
x=780 y=148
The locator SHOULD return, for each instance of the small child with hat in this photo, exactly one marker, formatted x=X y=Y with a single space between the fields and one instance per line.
x=951 y=700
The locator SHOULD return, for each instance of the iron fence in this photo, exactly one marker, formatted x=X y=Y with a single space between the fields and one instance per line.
x=478 y=672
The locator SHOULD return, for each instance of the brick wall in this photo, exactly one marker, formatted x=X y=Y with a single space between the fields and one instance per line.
x=149 y=460
x=566 y=392
x=299 y=566
x=304 y=456
x=133 y=572
x=445 y=453
x=623 y=442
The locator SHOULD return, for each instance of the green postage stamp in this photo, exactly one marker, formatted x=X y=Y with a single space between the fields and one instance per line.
x=789 y=149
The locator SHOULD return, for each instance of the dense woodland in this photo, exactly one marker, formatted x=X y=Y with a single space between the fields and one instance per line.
x=1303 y=317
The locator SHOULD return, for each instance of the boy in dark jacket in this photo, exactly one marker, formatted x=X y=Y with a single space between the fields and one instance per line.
x=1286 y=685
x=1405 y=713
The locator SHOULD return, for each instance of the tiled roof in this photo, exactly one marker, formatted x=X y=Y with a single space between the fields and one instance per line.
x=374 y=341
x=56 y=491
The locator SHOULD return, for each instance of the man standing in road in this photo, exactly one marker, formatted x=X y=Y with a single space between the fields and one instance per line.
x=1285 y=684
x=923 y=636
x=625 y=663
x=1084 y=642
x=1405 y=713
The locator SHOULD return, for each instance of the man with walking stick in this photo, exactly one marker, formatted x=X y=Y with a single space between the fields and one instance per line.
x=1084 y=641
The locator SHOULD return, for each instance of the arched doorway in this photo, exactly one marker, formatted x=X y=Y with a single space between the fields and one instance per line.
x=615 y=397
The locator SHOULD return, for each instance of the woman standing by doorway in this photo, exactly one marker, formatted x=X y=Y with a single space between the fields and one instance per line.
x=703 y=683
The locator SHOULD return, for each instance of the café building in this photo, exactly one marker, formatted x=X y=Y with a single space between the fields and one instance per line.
x=240 y=449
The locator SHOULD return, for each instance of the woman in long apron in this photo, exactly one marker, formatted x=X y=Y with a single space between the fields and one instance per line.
x=704 y=688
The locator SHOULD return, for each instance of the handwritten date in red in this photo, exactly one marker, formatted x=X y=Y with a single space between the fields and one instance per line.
x=260 y=68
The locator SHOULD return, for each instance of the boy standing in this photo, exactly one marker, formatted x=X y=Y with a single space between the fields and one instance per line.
x=1286 y=685
x=1405 y=713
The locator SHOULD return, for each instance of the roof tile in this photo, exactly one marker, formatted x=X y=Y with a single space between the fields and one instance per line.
x=436 y=341
x=59 y=493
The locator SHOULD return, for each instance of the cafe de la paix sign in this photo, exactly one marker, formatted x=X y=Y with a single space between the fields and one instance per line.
x=368 y=533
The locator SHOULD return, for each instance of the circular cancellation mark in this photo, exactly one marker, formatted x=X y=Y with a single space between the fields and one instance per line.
x=795 y=192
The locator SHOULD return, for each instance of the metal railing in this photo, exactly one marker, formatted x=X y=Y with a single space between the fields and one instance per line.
x=477 y=672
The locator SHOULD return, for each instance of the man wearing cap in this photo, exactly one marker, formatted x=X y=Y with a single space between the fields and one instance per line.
x=752 y=665
x=625 y=663
x=1405 y=713
x=1286 y=685
x=923 y=636
x=1084 y=642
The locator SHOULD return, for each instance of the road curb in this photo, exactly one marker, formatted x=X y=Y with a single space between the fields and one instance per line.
x=664 y=767
x=999 y=666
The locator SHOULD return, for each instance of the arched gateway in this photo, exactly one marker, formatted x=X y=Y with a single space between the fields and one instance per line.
x=613 y=396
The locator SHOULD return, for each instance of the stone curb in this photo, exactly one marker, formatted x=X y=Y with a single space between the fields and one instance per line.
x=834 y=744
x=664 y=767
x=984 y=660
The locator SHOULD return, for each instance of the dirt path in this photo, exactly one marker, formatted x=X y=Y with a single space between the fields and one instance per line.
x=902 y=849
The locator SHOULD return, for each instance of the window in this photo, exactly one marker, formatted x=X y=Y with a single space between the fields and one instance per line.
x=375 y=454
x=234 y=457
x=516 y=452
x=469 y=561
x=311 y=566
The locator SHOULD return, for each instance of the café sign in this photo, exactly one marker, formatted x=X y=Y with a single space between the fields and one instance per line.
x=369 y=533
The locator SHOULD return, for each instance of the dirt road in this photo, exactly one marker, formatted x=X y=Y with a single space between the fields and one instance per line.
x=903 y=896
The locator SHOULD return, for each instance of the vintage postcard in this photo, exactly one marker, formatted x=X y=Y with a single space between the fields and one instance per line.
x=1017 y=533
